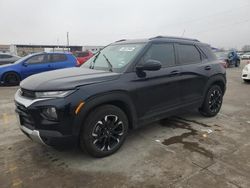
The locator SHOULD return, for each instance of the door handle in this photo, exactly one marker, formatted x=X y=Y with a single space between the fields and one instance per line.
x=174 y=73
x=208 y=67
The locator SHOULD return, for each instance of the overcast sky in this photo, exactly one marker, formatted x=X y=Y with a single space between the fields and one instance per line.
x=221 y=23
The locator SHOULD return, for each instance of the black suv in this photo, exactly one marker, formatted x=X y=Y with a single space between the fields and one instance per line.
x=127 y=84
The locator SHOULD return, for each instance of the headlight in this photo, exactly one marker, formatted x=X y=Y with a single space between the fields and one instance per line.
x=53 y=94
x=245 y=68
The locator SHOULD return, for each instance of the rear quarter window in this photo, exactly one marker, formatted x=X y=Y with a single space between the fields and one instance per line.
x=208 y=52
x=188 y=54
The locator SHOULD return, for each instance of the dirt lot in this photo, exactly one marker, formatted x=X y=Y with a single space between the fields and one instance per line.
x=183 y=151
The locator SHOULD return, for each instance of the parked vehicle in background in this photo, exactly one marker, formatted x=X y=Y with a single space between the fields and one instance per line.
x=127 y=84
x=12 y=74
x=83 y=56
x=246 y=73
x=223 y=57
x=229 y=58
x=6 y=58
x=233 y=59
x=246 y=56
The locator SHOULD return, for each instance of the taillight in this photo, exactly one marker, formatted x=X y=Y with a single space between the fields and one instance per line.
x=223 y=63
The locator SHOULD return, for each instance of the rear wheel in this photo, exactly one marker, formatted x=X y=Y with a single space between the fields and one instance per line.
x=213 y=101
x=104 y=131
x=11 y=79
x=237 y=64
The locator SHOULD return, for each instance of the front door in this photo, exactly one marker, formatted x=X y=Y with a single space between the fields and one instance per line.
x=158 y=91
x=36 y=64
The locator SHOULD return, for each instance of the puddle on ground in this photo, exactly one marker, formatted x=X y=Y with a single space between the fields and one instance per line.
x=191 y=146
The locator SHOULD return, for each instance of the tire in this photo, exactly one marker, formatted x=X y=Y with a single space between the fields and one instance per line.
x=212 y=102
x=237 y=64
x=11 y=79
x=104 y=131
x=246 y=81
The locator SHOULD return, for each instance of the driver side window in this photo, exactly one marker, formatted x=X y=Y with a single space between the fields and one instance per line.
x=37 y=59
x=161 y=52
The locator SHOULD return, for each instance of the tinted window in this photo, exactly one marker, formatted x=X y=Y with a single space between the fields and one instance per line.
x=208 y=52
x=57 y=57
x=163 y=53
x=188 y=54
x=36 y=59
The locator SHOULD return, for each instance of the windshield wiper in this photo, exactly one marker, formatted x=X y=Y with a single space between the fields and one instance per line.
x=109 y=64
x=92 y=64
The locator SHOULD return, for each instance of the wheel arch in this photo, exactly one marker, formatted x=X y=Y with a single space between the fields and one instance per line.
x=219 y=80
x=119 y=99
x=10 y=71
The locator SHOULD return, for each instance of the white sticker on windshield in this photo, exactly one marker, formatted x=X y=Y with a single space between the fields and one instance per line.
x=127 y=49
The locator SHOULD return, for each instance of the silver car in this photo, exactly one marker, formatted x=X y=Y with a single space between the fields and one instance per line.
x=6 y=58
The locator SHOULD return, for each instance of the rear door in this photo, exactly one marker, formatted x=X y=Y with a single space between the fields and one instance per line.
x=159 y=90
x=194 y=73
x=59 y=61
x=36 y=64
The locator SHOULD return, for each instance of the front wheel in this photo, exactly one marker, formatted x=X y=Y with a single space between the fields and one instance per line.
x=104 y=131
x=11 y=79
x=213 y=101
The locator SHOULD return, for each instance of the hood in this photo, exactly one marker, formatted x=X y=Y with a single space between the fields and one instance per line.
x=65 y=79
x=6 y=65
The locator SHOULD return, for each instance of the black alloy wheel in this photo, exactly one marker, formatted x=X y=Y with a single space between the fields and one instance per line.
x=104 y=131
x=107 y=132
x=213 y=101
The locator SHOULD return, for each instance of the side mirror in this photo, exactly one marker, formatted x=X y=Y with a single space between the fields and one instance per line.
x=25 y=64
x=150 y=65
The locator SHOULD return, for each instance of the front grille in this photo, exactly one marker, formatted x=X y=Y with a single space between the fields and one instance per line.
x=244 y=75
x=27 y=93
x=24 y=116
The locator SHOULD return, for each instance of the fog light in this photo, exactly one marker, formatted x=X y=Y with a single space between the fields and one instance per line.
x=50 y=113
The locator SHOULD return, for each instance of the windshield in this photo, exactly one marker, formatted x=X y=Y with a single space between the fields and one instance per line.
x=114 y=58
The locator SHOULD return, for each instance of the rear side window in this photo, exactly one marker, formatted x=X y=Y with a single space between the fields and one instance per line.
x=188 y=54
x=208 y=52
x=37 y=59
x=57 y=57
x=163 y=53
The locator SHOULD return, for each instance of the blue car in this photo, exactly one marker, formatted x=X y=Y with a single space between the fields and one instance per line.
x=12 y=74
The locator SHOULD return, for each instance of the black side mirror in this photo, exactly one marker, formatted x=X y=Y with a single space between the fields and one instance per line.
x=150 y=65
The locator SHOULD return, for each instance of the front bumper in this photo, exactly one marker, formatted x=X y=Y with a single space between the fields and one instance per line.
x=32 y=134
x=33 y=125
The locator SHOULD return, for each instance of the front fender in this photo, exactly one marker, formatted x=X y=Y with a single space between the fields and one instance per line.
x=106 y=98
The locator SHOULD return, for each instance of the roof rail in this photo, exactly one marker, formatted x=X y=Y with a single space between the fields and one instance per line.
x=180 y=38
x=121 y=40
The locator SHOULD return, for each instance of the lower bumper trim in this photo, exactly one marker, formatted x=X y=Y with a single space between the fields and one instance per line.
x=33 y=134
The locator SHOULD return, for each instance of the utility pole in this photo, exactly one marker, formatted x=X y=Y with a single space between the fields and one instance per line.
x=68 y=40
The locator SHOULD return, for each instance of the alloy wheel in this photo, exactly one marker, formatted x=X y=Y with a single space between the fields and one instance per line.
x=215 y=100
x=107 y=133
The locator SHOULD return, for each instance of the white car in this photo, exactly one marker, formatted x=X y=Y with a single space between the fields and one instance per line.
x=246 y=56
x=246 y=73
